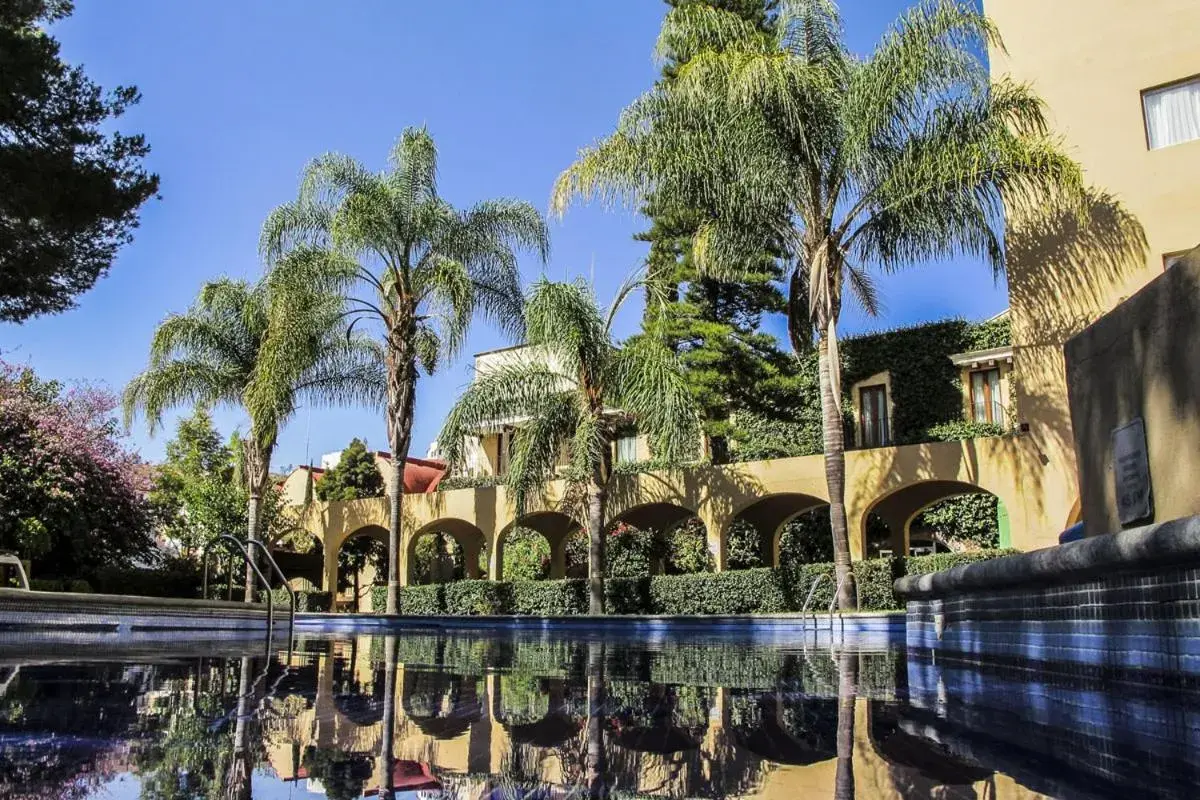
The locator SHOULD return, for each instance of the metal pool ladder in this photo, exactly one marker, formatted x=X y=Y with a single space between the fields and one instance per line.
x=243 y=549
x=10 y=560
x=811 y=591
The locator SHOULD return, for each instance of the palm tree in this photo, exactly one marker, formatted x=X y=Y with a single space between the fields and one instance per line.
x=409 y=262
x=265 y=350
x=576 y=388
x=855 y=164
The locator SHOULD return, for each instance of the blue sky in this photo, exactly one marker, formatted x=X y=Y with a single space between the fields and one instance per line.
x=238 y=96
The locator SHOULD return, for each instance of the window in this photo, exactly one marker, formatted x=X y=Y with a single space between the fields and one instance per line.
x=986 y=405
x=873 y=416
x=627 y=449
x=1172 y=113
x=1171 y=259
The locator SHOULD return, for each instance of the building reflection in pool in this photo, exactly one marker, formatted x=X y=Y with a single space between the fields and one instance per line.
x=475 y=719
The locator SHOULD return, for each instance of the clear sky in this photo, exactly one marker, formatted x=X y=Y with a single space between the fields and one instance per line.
x=237 y=96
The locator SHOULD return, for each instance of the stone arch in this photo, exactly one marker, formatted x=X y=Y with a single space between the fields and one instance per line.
x=441 y=704
x=468 y=538
x=555 y=527
x=769 y=514
x=357 y=594
x=548 y=727
x=899 y=508
x=786 y=730
x=663 y=518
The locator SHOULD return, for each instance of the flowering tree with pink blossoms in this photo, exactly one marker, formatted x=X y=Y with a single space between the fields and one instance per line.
x=72 y=494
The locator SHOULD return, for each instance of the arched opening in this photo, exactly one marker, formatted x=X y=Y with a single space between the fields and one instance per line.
x=445 y=550
x=538 y=711
x=361 y=564
x=789 y=527
x=658 y=718
x=302 y=560
x=934 y=517
x=441 y=704
x=534 y=547
x=656 y=539
x=797 y=731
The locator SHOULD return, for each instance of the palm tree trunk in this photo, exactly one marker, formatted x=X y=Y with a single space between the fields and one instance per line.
x=596 y=760
x=388 y=735
x=835 y=472
x=402 y=389
x=847 y=690
x=597 y=499
x=257 y=478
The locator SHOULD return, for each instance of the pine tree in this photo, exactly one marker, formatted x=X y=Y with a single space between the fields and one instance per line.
x=713 y=325
x=355 y=476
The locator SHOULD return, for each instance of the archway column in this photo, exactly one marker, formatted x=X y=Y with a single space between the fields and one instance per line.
x=470 y=551
x=495 y=559
x=558 y=557
x=716 y=524
x=329 y=572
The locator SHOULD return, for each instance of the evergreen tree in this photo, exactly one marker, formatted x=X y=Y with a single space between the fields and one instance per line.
x=354 y=476
x=713 y=325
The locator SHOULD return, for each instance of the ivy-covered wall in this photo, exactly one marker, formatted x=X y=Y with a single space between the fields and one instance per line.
x=926 y=390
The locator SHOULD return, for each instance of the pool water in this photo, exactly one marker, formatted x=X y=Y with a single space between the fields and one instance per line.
x=475 y=717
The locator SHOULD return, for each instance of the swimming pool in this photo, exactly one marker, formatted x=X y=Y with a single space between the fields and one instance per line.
x=521 y=714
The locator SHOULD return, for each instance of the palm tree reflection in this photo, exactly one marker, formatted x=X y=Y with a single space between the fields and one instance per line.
x=843 y=788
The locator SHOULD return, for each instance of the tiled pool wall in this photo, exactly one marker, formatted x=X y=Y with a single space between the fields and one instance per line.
x=1094 y=732
x=1132 y=627
x=81 y=619
x=1124 y=607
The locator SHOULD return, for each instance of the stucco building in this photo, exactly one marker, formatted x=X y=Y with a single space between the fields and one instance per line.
x=1125 y=96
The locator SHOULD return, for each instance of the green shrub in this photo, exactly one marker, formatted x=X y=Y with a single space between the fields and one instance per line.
x=470 y=482
x=306 y=600
x=473 y=598
x=548 y=598
x=176 y=578
x=79 y=585
x=422 y=600
x=959 y=429
x=749 y=591
x=46 y=584
x=874 y=578
x=526 y=555
x=923 y=565
x=378 y=599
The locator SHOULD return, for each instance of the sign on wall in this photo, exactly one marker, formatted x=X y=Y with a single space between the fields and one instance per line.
x=1131 y=471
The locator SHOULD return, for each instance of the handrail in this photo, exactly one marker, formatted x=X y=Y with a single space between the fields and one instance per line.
x=837 y=590
x=283 y=581
x=13 y=561
x=226 y=539
x=811 y=591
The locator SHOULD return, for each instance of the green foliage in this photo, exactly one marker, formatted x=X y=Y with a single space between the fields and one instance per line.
x=356 y=475
x=969 y=519
x=75 y=585
x=687 y=549
x=72 y=495
x=632 y=553
x=342 y=774
x=175 y=577
x=808 y=539
x=470 y=482
x=743 y=591
x=526 y=555
x=926 y=389
x=559 y=598
x=743 y=546
x=474 y=598
x=438 y=558
x=306 y=601
x=72 y=185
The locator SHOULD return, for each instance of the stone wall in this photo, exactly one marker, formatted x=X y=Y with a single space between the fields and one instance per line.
x=1140 y=361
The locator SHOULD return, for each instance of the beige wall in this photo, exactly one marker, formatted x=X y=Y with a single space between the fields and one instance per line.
x=1090 y=60
x=1140 y=360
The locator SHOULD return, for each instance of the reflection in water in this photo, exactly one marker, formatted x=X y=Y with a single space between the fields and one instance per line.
x=469 y=718
x=847 y=689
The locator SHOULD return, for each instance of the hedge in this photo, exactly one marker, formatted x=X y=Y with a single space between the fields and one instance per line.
x=76 y=585
x=306 y=600
x=746 y=591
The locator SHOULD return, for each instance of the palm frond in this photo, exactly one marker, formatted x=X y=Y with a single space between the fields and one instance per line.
x=644 y=379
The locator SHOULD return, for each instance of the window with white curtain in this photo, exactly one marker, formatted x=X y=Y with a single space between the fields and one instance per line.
x=627 y=449
x=1172 y=113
